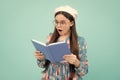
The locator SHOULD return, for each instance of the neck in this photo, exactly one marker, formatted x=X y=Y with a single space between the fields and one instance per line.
x=62 y=38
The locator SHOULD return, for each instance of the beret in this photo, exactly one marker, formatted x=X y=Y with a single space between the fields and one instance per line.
x=67 y=9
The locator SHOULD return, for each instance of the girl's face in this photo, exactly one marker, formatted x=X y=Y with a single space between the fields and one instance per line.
x=63 y=25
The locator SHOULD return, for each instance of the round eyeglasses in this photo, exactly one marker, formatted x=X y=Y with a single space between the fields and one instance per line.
x=61 y=23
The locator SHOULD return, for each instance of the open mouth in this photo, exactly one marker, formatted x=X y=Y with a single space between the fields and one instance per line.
x=59 y=30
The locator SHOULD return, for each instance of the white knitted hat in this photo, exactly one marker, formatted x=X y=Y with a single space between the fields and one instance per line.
x=67 y=9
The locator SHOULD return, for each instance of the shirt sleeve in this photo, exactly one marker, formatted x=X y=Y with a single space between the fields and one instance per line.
x=83 y=67
x=41 y=63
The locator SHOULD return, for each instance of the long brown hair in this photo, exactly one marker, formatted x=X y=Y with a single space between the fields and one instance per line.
x=73 y=42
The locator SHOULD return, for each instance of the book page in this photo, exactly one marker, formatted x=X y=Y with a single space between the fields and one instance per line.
x=56 y=43
x=39 y=42
x=58 y=50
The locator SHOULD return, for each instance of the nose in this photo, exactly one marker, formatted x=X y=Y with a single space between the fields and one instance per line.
x=58 y=25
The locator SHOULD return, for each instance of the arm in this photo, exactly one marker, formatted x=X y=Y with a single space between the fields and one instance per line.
x=41 y=61
x=82 y=69
x=40 y=58
x=81 y=64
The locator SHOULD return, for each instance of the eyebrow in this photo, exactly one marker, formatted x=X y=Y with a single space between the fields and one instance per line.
x=60 y=20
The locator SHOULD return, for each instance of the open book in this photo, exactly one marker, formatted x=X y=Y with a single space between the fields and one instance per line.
x=54 y=52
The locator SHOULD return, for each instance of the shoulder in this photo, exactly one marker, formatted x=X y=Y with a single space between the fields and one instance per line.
x=81 y=40
x=82 y=45
x=49 y=37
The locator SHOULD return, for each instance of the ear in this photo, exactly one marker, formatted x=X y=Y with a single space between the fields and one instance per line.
x=71 y=23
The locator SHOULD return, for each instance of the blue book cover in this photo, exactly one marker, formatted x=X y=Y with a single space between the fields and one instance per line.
x=54 y=52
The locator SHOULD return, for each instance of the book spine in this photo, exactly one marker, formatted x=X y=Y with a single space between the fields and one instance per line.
x=50 y=57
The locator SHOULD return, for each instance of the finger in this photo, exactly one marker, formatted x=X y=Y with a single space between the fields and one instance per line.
x=40 y=57
x=37 y=51
x=37 y=57
x=70 y=59
x=65 y=56
x=69 y=55
x=40 y=54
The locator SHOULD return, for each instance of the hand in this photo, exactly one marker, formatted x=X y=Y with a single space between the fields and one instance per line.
x=39 y=55
x=72 y=59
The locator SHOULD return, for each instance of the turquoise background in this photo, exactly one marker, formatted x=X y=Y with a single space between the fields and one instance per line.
x=22 y=20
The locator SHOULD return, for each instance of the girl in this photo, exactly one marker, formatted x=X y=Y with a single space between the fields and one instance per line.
x=75 y=65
